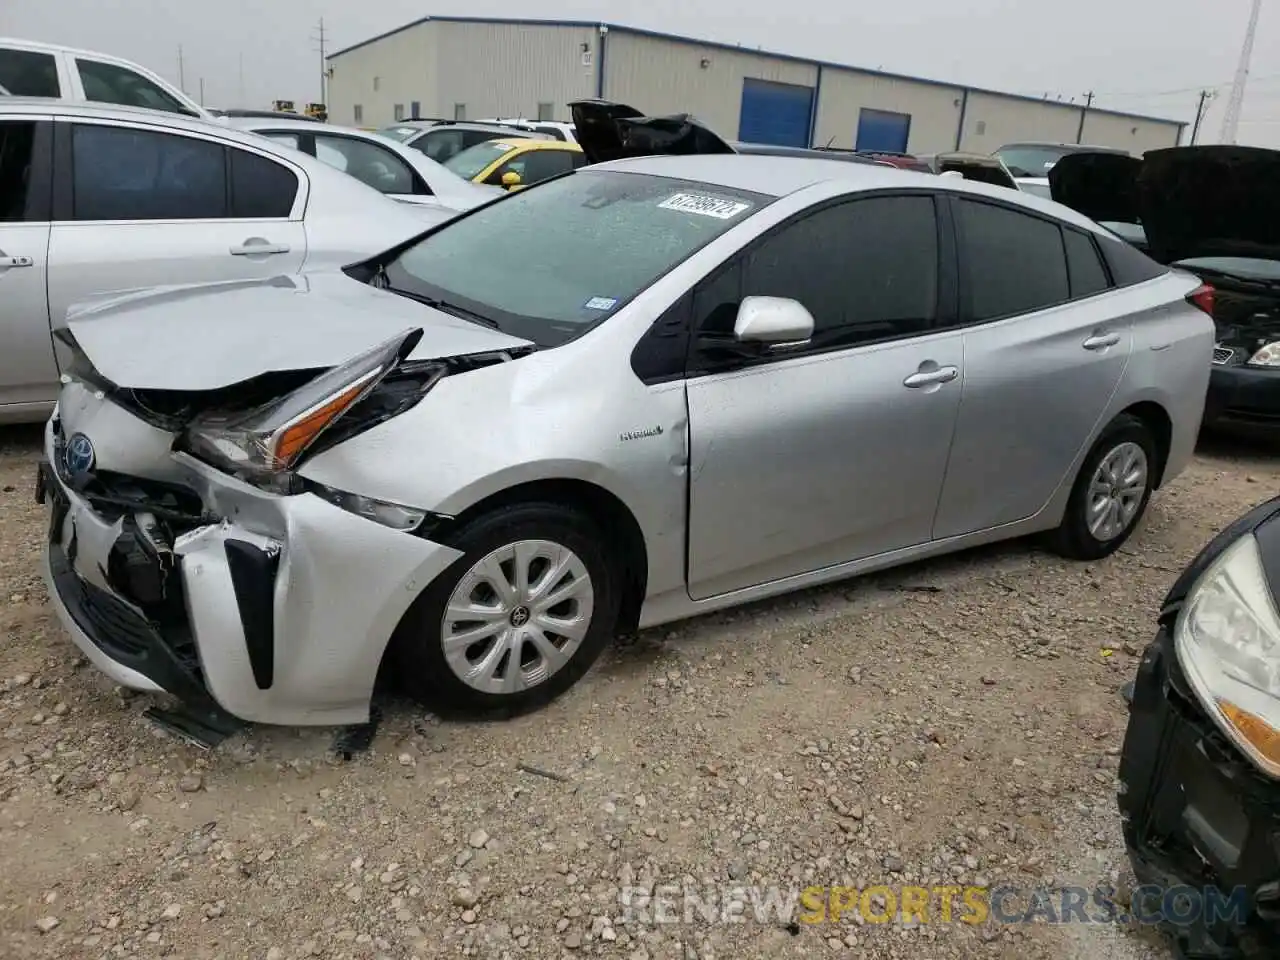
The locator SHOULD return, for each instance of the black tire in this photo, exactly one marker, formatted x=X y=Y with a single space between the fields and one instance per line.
x=417 y=652
x=1073 y=539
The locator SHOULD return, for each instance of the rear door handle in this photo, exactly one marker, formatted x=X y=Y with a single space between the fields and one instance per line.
x=1100 y=341
x=16 y=262
x=257 y=247
x=928 y=378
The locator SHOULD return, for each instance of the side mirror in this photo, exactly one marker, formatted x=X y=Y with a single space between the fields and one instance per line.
x=510 y=179
x=773 y=322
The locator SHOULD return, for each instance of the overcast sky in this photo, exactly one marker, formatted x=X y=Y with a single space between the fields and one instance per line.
x=1147 y=56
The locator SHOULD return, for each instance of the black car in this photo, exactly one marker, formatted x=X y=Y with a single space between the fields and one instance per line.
x=1200 y=768
x=1213 y=211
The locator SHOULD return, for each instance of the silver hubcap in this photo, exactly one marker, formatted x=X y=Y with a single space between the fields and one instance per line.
x=517 y=616
x=1116 y=491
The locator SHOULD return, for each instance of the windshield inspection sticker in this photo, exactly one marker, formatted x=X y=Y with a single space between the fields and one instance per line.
x=704 y=206
x=601 y=303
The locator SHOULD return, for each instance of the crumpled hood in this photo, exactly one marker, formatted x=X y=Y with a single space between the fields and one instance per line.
x=1214 y=201
x=205 y=336
x=1102 y=186
x=614 y=131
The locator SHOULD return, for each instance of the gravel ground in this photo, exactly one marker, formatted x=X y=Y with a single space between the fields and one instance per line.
x=952 y=722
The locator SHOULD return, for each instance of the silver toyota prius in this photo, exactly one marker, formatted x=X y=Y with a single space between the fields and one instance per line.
x=652 y=388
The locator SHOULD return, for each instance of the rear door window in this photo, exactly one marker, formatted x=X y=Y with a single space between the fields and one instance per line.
x=1013 y=262
x=25 y=73
x=108 y=83
x=17 y=144
x=122 y=173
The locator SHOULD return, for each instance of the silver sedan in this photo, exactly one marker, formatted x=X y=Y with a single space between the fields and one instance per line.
x=95 y=199
x=639 y=392
x=377 y=161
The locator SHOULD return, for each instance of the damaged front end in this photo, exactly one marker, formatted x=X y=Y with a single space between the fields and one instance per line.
x=187 y=555
x=1200 y=767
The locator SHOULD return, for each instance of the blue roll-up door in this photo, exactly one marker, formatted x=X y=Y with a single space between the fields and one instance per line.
x=882 y=131
x=776 y=113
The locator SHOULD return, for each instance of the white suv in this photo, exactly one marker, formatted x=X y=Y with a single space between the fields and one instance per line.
x=30 y=69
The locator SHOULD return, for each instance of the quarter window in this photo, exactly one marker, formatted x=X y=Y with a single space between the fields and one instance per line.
x=125 y=174
x=107 y=83
x=867 y=270
x=1014 y=262
x=261 y=189
x=24 y=73
x=1084 y=267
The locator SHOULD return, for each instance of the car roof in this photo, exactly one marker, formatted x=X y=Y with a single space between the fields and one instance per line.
x=37 y=46
x=779 y=176
x=229 y=129
x=525 y=144
x=277 y=122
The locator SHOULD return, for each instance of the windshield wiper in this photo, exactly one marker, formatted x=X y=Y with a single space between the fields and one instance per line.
x=445 y=306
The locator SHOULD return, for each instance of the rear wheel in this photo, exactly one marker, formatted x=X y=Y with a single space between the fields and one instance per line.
x=1111 y=492
x=518 y=619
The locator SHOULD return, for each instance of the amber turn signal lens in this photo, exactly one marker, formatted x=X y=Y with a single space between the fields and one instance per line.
x=1256 y=732
x=297 y=436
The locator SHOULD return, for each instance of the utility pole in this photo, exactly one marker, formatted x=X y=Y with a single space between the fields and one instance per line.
x=1084 y=112
x=1232 y=118
x=182 y=77
x=1205 y=97
x=324 y=64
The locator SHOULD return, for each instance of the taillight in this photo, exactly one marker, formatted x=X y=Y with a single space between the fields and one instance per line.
x=1202 y=297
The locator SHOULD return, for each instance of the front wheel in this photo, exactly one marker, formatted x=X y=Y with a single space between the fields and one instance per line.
x=1111 y=492
x=515 y=621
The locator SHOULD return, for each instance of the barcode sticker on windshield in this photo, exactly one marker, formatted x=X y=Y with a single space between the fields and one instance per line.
x=704 y=206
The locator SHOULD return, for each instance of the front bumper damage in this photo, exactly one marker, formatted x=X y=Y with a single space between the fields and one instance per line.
x=277 y=609
x=1199 y=818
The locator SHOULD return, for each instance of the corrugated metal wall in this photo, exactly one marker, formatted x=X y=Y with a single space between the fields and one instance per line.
x=510 y=68
x=506 y=70
x=991 y=121
x=396 y=69
x=934 y=111
x=659 y=76
x=1136 y=136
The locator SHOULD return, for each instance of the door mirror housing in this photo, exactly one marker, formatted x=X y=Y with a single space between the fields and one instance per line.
x=772 y=322
x=510 y=179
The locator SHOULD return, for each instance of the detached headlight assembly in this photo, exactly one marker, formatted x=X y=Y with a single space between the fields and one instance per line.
x=260 y=446
x=1268 y=356
x=1228 y=642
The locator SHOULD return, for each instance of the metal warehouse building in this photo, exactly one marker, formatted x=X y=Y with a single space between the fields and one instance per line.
x=465 y=68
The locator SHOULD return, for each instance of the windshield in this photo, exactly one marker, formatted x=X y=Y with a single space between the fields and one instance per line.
x=1031 y=161
x=550 y=262
x=471 y=162
x=399 y=133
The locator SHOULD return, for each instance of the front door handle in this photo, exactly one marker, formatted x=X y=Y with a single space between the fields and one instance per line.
x=16 y=262
x=927 y=378
x=1100 y=341
x=258 y=247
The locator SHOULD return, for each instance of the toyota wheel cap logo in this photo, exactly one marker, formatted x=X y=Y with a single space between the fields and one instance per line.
x=80 y=455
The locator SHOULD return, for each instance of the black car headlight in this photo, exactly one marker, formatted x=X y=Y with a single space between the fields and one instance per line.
x=1227 y=637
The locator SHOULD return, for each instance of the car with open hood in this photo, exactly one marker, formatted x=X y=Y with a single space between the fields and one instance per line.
x=616 y=399
x=1030 y=163
x=1213 y=211
x=1200 y=766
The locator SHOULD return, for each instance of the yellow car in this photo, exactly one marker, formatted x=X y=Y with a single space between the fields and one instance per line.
x=516 y=162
